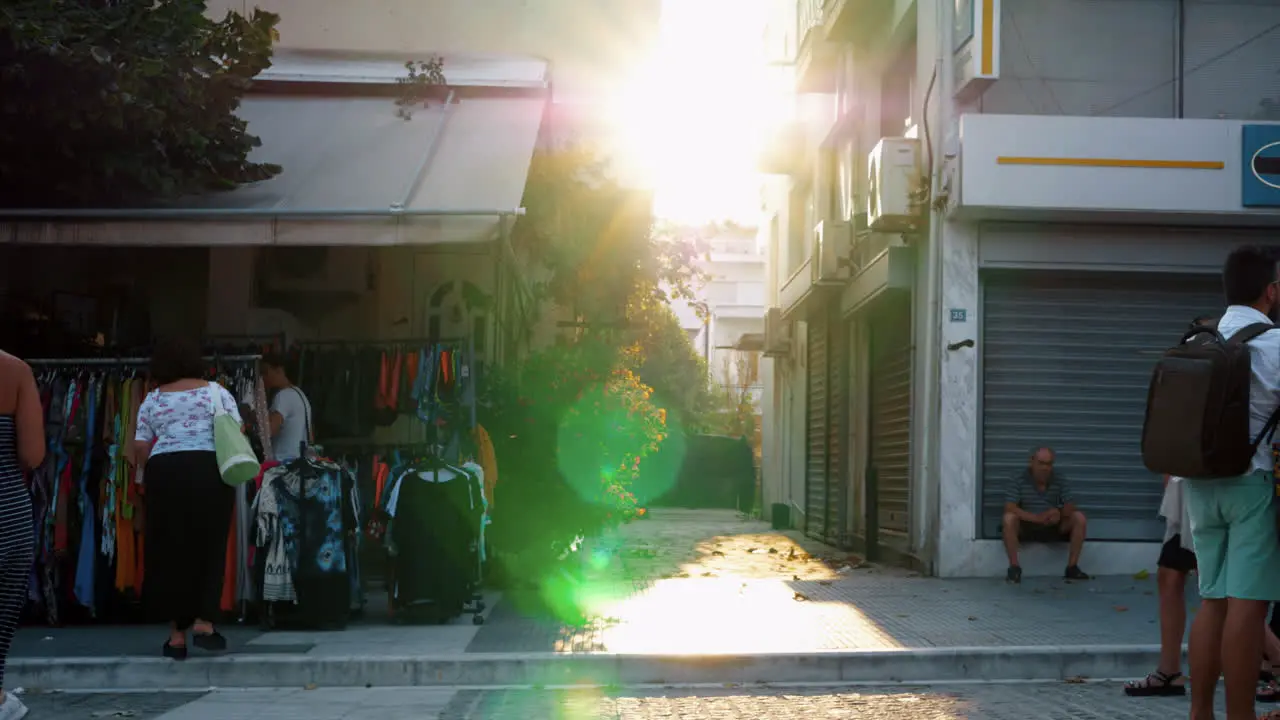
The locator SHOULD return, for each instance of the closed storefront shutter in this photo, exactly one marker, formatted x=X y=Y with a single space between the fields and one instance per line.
x=837 y=432
x=816 y=498
x=1066 y=360
x=891 y=420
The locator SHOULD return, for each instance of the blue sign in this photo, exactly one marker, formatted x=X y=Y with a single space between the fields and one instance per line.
x=959 y=314
x=1260 y=184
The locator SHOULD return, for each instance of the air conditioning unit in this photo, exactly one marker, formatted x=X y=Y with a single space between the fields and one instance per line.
x=893 y=170
x=777 y=343
x=317 y=270
x=833 y=244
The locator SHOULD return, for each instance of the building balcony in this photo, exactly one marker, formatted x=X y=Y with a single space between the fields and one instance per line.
x=817 y=57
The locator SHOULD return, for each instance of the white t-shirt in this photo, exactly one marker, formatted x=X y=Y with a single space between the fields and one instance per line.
x=293 y=406
x=181 y=421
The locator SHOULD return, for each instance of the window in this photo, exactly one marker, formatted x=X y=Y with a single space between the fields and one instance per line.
x=897 y=89
x=798 y=230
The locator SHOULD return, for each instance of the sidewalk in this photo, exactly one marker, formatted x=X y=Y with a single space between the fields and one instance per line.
x=1094 y=701
x=687 y=596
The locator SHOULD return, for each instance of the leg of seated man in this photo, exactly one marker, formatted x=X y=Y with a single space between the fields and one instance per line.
x=1012 y=528
x=1074 y=527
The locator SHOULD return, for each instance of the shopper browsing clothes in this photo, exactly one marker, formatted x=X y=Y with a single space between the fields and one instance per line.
x=1176 y=561
x=21 y=448
x=188 y=505
x=290 y=411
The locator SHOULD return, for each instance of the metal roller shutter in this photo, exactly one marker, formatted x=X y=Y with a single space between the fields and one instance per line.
x=837 y=435
x=891 y=420
x=816 y=499
x=1066 y=360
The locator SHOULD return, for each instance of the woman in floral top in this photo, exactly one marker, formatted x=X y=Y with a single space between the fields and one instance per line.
x=188 y=506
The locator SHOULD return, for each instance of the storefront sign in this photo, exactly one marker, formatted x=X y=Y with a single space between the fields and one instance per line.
x=1260 y=184
x=975 y=38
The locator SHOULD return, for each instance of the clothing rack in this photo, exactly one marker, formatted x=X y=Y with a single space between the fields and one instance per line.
x=272 y=341
x=379 y=343
x=136 y=360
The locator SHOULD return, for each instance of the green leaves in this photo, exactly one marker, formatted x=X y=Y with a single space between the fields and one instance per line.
x=415 y=86
x=126 y=102
x=616 y=270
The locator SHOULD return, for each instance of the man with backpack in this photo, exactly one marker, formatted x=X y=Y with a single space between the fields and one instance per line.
x=1211 y=410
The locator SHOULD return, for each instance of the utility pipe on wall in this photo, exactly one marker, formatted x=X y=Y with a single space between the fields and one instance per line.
x=931 y=470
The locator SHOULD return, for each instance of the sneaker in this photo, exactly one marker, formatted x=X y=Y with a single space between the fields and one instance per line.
x=12 y=708
x=1075 y=573
x=1014 y=576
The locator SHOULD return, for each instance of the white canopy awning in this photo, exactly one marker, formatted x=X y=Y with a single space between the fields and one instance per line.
x=354 y=174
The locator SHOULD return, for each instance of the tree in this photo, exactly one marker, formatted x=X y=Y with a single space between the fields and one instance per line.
x=589 y=426
x=668 y=361
x=596 y=239
x=736 y=410
x=122 y=102
x=615 y=271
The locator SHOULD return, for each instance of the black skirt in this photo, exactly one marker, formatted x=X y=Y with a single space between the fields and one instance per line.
x=188 y=517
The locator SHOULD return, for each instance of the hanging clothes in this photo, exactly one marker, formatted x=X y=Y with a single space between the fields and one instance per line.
x=89 y=505
x=305 y=522
x=488 y=460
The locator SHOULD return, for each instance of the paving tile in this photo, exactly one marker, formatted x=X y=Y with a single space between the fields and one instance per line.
x=106 y=706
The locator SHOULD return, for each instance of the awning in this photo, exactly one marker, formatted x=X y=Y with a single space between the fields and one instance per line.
x=354 y=174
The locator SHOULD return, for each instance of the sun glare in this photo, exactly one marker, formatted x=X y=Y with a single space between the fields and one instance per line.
x=693 y=119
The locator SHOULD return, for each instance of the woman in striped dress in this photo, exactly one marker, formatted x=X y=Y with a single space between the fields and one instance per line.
x=21 y=448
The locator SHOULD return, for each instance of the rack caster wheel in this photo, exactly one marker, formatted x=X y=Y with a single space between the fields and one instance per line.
x=477 y=620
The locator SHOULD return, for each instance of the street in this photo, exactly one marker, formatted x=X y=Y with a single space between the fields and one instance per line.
x=1088 y=701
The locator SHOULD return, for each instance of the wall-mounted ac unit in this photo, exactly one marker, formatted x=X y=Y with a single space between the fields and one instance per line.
x=833 y=244
x=317 y=270
x=777 y=342
x=893 y=172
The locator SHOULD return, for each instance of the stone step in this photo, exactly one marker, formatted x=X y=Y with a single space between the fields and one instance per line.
x=549 y=670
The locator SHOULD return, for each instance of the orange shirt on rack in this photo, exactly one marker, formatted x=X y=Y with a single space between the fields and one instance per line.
x=488 y=460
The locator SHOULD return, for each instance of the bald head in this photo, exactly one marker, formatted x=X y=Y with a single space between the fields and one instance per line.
x=1042 y=464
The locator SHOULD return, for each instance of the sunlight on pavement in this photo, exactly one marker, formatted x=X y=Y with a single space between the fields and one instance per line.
x=728 y=615
x=734 y=586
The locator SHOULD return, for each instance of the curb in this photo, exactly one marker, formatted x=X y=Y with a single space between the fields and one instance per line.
x=914 y=666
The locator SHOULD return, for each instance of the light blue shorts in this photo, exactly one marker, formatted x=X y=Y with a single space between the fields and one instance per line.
x=1233 y=526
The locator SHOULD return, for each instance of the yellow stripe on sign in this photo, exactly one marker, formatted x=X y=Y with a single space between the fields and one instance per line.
x=1113 y=163
x=988 y=30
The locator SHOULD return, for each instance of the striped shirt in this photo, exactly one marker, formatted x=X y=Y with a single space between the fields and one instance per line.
x=1022 y=491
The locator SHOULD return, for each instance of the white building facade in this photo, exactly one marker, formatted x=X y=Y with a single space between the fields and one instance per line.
x=1072 y=176
x=729 y=337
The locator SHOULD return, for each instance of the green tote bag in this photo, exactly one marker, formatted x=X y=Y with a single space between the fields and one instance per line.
x=236 y=462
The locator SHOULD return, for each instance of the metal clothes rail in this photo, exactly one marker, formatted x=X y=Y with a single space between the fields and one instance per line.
x=136 y=360
x=304 y=344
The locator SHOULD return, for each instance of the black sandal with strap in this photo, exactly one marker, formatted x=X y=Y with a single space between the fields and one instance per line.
x=1157 y=684
x=1268 y=692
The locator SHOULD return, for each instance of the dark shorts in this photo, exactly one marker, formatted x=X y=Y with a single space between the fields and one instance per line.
x=1176 y=557
x=1042 y=534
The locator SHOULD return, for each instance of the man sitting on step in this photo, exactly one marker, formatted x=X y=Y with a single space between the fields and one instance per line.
x=1038 y=507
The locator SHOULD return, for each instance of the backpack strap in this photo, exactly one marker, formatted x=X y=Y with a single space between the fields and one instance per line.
x=1249 y=332
x=1244 y=335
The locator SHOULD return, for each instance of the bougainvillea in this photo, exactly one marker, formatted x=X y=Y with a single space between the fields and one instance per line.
x=606 y=422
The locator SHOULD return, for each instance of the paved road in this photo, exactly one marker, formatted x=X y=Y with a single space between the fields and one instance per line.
x=956 y=702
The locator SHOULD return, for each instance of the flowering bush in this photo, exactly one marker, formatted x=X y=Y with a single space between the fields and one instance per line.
x=606 y=422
